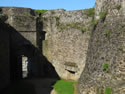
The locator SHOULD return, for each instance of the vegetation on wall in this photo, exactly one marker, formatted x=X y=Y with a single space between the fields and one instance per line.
x=64 y=87
x=93 y=23
x=106 y=67
x=90 y=12
x=3 y=17
x=52 y=12
x=107 y=33
x=108 y=90
x=76 y=25
x=103 y=14
x=118 y=7
x=42 y=12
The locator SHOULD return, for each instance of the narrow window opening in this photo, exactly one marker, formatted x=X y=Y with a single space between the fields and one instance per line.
x=24 y=67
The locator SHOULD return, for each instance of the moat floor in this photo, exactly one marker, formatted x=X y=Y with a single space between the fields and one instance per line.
x=32 y=86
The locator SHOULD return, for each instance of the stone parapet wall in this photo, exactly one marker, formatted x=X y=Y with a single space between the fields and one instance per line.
x=17 y=11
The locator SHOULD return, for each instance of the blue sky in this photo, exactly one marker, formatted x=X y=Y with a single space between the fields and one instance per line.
x=50 y=4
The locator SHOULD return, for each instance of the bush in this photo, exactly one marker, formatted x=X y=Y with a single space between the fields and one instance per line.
x=64 y=87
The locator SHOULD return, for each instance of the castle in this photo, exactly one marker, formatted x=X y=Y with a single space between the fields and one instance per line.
x=84 y=45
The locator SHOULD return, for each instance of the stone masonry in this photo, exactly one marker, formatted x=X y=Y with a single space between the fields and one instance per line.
x=104 y=71
x=23 y=20
x=112 y=7
x=66 y=44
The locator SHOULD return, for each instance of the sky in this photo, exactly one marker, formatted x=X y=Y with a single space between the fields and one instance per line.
x=50 y=4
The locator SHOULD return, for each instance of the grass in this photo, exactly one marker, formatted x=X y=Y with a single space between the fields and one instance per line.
x=90 y=12
x=52 y=12
x=105 y=67
x=76 y=25
x=38 y=11
x=93 y=22
x=108 y=90
x=83 y=29
x=107 y=33
x=103 y=14
x=64 y=87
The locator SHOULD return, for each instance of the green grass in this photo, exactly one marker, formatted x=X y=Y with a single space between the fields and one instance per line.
x=90 y=12
x=83 y=29
x=52 y=12
x=103 y=14
x=107 y=33
x=64 y=87
x=105 y=67
x=38 y=11
x=108 y=90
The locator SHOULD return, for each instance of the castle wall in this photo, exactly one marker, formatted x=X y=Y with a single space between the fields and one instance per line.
x=66 y=41
x=22 y=20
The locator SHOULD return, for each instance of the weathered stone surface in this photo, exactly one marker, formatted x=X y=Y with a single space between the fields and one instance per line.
x=66 y=43
x=31 y=36
x=22 y=23
x=17 y=11
x=22 y=20
x=69 y=16
x=105 y=65
x=112 y=7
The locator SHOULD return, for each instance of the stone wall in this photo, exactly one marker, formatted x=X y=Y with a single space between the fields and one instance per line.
x=112 y=7
x=22 y=20
x=66 y=41
x=17 y=11
x=72 y=48
x=105 y=65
